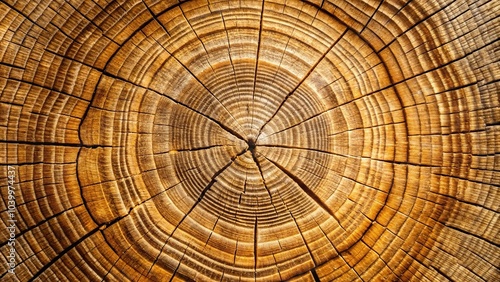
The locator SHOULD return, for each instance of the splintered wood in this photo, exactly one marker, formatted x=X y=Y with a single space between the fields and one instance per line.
x=272 y=140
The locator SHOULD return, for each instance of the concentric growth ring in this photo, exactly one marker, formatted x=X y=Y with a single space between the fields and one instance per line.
x=276 y=140
x=256 y=146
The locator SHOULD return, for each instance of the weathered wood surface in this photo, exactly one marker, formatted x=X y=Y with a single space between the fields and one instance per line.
x=248 y=140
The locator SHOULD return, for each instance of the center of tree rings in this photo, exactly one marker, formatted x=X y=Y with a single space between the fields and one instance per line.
x=189 y=137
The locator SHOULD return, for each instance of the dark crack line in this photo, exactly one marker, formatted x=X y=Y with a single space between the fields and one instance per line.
x=233 y=132
x=244 y=185
x=112 y=222
x=284 y=50
x=90 y=21
x=308 y=191
x=21 y=233
x=371 y=17
x=336 y=250
x=319 y=8
x=48 y=88
x=199 y=39
x=441 y=273
x=255 y=244
x=203 y=85
x=256 y=160
x=104 y=72
x=270 y=197
x=413 y=25
x=213 y=227
x=11 y=104
x=492 y=184
x=235 y=252
x=303 y=239
x=350 y=178
x=468 y=233
x=277 y=266
x=53 y=277
x=154 y=17
x=11 y=65
x=196 y=149
x=179 y=263
x=463 y=201
x=35 y=143
x=62 y=253
x=315 y=275
x=348 y=156
x=28 y=164
x=34 y=22
x=311 y=70
x=221 y=213
x=118 y=256
x=220 y=124
x=298 y=228
x=192 y=74
x=261 y=26
x=362 y=97
x=119 y=219
x=231 y=60
x=200 y=198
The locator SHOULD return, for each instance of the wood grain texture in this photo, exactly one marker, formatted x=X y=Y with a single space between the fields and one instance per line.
x=272 y=140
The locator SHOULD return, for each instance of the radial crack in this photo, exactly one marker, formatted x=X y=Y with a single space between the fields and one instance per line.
x=62 y=253
x=315 y=275
x=188 y=70
x=256 y=160
x=257 y=59
x=196 y=149
x=255 y=243
x=231 y=58
x=38 y=224
x=308 y=149
x=179 y=264
x=347 y=156
x=371 y=17
x=223 y=126
x=154 y=18
x=284 y=50
x=200 y=197
x=303 y=239
x=201 y=83
x=308 y=191
x=298 y=228
x=335 y=248
x=302 y=81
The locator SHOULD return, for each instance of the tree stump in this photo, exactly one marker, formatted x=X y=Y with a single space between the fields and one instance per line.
x=147 y=140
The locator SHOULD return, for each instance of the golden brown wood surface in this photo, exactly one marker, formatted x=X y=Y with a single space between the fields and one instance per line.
x=211 y=140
